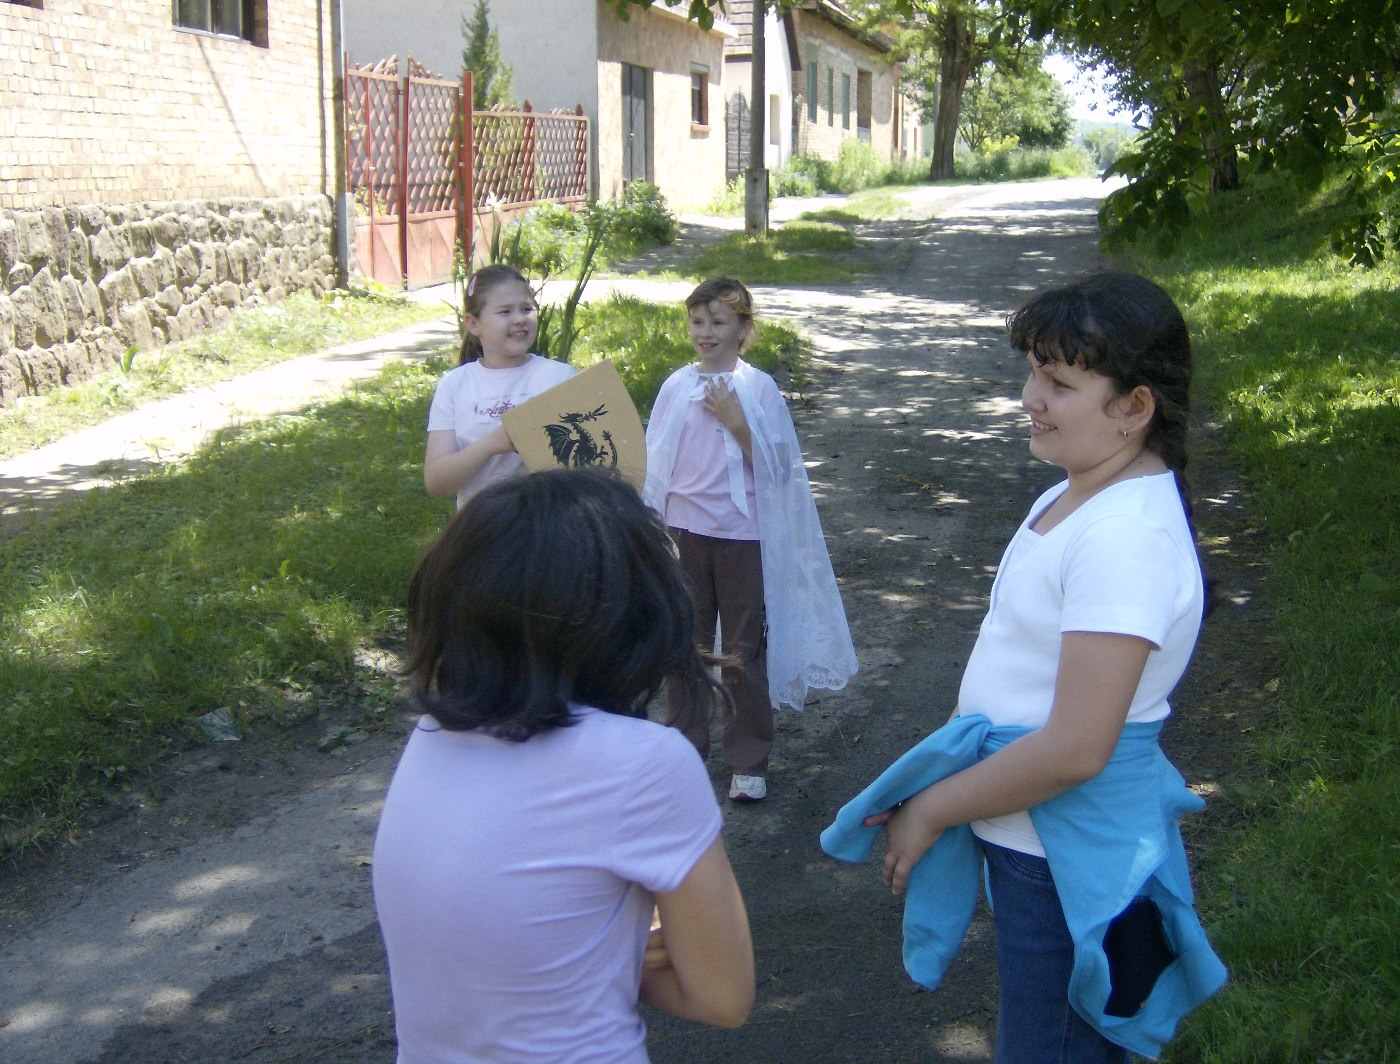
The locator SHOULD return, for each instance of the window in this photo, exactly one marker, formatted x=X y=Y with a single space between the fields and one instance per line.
x=699 y=95
x=830 y=96
x=245 y=19
x=39 y=4
x=812 y=91
x=845 y=101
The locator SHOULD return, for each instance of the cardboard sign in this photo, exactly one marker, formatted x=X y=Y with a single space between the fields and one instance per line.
x=587 y=420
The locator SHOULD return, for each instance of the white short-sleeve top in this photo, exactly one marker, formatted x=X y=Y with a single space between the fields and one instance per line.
x=1125 y=562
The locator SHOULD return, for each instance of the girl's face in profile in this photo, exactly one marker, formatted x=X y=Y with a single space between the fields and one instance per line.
x=717 y=333
x=1076 y=420
x=507 y=324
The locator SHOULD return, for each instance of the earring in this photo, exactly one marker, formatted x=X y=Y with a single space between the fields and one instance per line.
x=1124 y=432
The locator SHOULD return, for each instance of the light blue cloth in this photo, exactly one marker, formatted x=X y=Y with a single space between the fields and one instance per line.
x=1107 y=841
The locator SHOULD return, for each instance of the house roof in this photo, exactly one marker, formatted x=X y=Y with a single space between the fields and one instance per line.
x=835 y=13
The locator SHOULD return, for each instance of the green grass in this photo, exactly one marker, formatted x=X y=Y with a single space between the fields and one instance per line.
x=1297 y=357
x=251 y=338
x=799 y=253
x=648 y=341
x=871 y=205
x=244 y=579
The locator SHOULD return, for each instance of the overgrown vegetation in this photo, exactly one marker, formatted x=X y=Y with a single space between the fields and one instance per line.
x=550 y=239
x=857 y=166
x=252 y=338
x=1008 y=162
x=647 y=341
x=244 y=580
x=800 y=253
x=1297 y=358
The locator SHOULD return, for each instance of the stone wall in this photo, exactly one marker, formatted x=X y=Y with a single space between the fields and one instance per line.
x=79 y=285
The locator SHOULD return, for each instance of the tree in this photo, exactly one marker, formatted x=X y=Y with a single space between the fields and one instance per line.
x=1031 y=107
x=1106 y=143
x=491 y=76
x=1222 y=88
x=942 y=44
x=1225 y=89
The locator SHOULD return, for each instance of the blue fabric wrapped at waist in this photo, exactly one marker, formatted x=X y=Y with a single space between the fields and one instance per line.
x=1107 y=841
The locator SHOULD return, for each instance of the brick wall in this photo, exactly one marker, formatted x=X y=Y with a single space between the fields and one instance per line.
x=104 y=103
x=830 y=49
x=153 y=179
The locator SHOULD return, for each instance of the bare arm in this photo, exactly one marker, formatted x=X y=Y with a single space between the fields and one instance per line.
x=705 y=970
x=1096 y=678
x=446 y=470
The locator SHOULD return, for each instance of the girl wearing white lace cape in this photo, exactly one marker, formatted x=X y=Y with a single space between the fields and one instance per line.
x=725 y=471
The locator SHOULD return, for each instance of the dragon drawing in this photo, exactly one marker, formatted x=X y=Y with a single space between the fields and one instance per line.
x=574 y=445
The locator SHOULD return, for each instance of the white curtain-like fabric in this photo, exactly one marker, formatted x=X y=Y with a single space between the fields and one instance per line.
x=809 y=641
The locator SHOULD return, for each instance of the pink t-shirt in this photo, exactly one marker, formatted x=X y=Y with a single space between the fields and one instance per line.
x=699 y=500
x=514 y=884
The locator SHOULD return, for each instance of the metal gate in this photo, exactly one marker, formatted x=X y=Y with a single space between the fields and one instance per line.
x=636 y=123
x=737 y=122
x=406 y=161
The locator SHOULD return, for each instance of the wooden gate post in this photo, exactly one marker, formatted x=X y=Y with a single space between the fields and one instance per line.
x=402 y=165
x=466 y=177
x=528 y=151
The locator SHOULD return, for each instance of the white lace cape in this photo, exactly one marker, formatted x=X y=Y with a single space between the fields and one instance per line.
x=809 y=641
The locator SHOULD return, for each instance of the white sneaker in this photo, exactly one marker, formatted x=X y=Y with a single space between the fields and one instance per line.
x=748 y=789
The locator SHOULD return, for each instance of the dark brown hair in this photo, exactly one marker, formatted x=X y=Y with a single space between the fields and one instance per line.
x=474 y=302
x=553 y=588
x=1128 y=329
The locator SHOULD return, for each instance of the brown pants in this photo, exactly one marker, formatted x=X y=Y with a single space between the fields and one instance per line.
x=726 y=581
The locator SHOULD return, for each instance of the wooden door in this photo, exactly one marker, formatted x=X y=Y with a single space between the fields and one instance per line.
x=636 y=123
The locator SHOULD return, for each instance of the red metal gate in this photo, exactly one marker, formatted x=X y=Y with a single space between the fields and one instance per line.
x=411 y=172
x=405 y=159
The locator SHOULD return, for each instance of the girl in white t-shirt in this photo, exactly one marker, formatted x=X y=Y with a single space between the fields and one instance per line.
x=1093 y=618
x=726 y=472
x=547 y=857
x=468 y=447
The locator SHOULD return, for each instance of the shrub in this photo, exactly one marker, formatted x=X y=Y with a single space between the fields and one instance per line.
x=551 y=238
x=857 y=166
x=801 y=175
x=1006 y=163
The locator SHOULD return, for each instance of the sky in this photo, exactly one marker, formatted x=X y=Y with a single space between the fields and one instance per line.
x=1086 y=90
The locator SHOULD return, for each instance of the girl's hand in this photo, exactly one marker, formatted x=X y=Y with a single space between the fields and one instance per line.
x=721 y=401
x=498 y=441
x=656 y=956
x=909 y=834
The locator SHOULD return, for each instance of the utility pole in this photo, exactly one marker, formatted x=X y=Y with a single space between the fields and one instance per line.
x=756 y=176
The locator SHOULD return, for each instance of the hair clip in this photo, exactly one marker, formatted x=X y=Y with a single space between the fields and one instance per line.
x=471 y=285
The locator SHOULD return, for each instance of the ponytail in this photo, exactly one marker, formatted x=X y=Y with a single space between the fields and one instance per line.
x=1126 y=328
x=474 y=301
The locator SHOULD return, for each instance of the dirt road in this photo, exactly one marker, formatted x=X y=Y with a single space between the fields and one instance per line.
x=231 y=920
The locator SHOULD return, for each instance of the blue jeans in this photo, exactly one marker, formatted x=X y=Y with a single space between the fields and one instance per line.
x=1035 y=1022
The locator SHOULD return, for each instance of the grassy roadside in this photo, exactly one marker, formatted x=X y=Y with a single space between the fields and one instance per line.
x=1297 y=358
x=252 y=338
x=247 y=580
